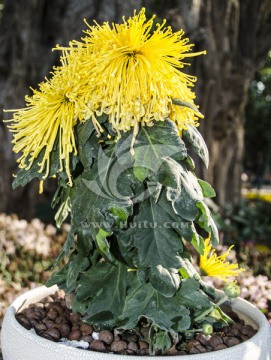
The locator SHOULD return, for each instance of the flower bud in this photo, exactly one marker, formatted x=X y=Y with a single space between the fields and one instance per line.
x=232 y=290
x=207 y=329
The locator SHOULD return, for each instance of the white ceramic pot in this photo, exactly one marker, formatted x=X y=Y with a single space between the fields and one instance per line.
x=21 y=344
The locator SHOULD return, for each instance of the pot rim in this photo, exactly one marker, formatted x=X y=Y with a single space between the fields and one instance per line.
x=255 y=318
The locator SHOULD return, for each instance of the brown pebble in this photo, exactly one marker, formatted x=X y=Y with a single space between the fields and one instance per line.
x=141 y=352
x=234 y=332
x=233 y=315
x=76 y=327
x=203 y=339
x=106 y=336
x=182 y=352
x=192 y=343
x=75 y=335
x=60 y=320
x=215 y=340
x=54 y=333
x=87 y=338
x=132 y=346
x=40 y=327
x=47 y=336
x=201 y=348
x=237 y=326
x=75 y=317
x=41 y=313
x=248 y=330
x=172 y=352
x=244 y=338
x=56 y=306
x=143 y=344
x=231 y=341
x=220 y=347
x=49 y=323
x=31 y=314
x=86 y=329
x=118 y=346
x=194 y=350
x=97 y=345
x=64 y=329
x=129 y=337
x=24 y=321
x=52 y=314
x=117 y=338
x=130 y=352
x=33 y=322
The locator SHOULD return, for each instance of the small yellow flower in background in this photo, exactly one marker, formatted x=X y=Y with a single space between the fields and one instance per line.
x=216 y=266
x=258 y=195
x=134 y=72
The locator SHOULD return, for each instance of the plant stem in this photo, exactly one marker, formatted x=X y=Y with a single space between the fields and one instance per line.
x=207 y=312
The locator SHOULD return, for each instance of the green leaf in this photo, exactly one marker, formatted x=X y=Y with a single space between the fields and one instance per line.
x=88 y=146
x=103 y=244
x=196 y=140
x=158 y=243
x=103 y=287
x=84 y=131
x=207 y=189
x=198 y=243
x=96 y=196
x=154 y=143
x=144 y=301
x=162 y=341
x=206 y=222
x=188 y=268
x=183 y=189
x=64 y=194
x=165 y=281
x=120 y=216
x=169 y=174
x=24 y=176
x=77 y=264
x=190 y=296
x=58 y=278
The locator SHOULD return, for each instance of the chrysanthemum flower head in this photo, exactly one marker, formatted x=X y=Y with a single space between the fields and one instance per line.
x=216 y=266
x=49 y=118
x=134 y=71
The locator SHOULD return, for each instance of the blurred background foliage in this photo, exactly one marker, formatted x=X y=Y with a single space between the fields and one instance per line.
x=233 y=91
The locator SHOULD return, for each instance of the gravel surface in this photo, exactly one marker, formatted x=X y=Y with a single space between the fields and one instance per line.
x=53 y=320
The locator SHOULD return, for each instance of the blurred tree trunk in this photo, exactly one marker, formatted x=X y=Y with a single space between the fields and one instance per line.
x=237 y=37
x=28 y=31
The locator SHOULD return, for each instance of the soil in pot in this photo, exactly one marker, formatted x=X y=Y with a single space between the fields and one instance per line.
x=52 y=319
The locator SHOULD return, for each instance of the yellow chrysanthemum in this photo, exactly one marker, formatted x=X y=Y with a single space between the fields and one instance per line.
x=135 y=73
x=216 y=266
x=126 y=71
x=50 y=115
